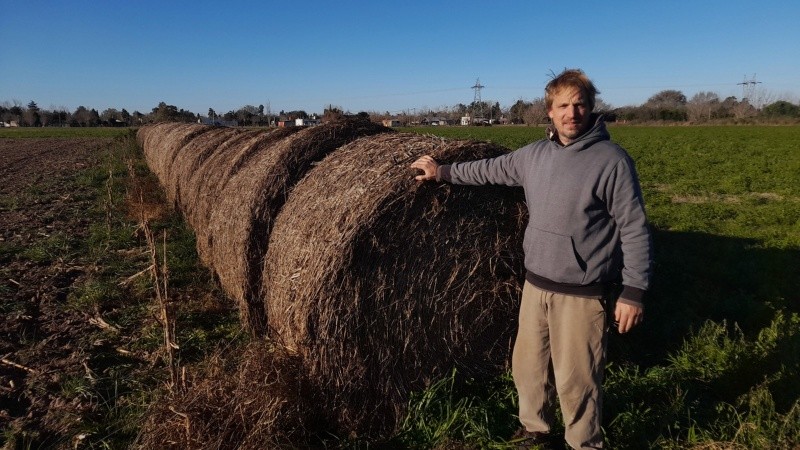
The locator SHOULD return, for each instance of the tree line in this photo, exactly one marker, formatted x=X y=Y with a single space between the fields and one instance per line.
x=668 y=106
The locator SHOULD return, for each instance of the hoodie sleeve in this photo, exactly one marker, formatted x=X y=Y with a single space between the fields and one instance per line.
x=626 y=206
x=504 y=169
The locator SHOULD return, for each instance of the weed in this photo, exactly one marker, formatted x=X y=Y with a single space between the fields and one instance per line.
x=9 y=203
x=50 y=248
x=93 y=295
x=452 y=411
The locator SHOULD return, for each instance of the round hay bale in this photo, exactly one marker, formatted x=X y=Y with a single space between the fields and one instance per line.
x=191 y=156
x=241 y=223
x=384 y=284
x=201 y=193
x=149 y=137
x=197 y=143
x=165 y=142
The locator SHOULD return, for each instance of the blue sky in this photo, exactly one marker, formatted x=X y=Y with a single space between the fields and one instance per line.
x=385 y=56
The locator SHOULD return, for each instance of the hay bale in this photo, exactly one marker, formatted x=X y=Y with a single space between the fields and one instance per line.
x=149 y=136
x=164 y=142
x=188 y=158
x=201 y=192
x=194 y=161
x=242 y=220
x=383 y=284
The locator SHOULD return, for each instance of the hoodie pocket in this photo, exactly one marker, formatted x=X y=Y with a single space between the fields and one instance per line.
x=553 y=256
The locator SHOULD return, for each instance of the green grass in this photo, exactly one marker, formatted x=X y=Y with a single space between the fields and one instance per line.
x=716 y=363
x=62 y=132
x=512 y=137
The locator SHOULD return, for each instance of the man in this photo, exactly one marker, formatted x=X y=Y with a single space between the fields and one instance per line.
x=586 y=235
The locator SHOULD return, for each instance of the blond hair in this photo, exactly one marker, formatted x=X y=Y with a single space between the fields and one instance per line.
x=571 y=78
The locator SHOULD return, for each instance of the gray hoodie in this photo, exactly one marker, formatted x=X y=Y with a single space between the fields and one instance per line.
x=587 y=228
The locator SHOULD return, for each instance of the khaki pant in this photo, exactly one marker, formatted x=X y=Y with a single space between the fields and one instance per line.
x=561 y=347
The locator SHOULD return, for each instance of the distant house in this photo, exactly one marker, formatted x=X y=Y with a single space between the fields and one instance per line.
x=285 y=123
x=467 y=120
x=435 y=121
x=391 y=123
x=310 y=122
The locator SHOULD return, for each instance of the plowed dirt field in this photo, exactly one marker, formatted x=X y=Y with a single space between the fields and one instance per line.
x=42 y=342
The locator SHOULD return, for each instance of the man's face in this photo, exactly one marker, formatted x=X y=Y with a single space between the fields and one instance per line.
x=570 y=114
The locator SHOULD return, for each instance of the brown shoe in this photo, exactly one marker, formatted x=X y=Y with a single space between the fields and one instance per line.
x=524 y=439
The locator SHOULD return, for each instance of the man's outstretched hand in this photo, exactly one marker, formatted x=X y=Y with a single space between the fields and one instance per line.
x=428 y=166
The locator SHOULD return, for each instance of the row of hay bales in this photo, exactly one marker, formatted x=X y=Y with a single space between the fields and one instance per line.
x=378 y=283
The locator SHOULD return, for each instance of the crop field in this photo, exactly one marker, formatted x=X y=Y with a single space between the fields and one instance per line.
x=96 y=348
x=717 y=362
x=731 y=181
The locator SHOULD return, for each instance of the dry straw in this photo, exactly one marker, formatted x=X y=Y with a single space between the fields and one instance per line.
x=201 y=193
x=191 y=155
x=242 y=218
x=383 y=284
x=162 y=143
x=262 y=405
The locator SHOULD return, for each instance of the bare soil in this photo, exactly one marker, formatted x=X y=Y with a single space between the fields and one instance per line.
x=43 y=342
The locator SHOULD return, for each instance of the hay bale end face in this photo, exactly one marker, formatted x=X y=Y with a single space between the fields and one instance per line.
x=383 y=283
x=162 y=143
x=242 y=219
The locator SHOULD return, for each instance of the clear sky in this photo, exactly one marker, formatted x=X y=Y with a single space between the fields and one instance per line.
x=385 y=56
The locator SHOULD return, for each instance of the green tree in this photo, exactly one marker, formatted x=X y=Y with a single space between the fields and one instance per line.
x=781 y=109
x=245 y=114
x=165 y=113
x=31 y=115
x=126 y=117
x=667 y=99
x=81 y=117
x=94 y=118
x=666 y=105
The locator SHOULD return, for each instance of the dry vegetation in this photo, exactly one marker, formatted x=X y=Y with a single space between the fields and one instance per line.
x=383 y=284
x=373 y=285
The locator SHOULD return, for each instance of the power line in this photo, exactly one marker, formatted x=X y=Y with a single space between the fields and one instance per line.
x=748 y=87
x=477 y=104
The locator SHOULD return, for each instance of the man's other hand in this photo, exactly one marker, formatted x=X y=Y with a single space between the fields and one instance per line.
x=627 y=316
